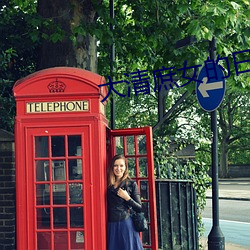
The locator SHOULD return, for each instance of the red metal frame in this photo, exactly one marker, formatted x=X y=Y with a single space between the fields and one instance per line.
x=134 y=133
x=32 y=184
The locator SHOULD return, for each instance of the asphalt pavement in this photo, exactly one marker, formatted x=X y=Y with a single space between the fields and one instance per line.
x=230 y=194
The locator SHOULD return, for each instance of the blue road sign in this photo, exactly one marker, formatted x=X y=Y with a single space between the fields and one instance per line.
x=210 y=92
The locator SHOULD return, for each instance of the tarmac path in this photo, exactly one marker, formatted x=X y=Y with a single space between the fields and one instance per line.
x=234 y=206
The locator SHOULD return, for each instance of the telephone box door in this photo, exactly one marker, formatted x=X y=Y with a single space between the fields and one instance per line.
x=136 y=145
x=59 y=188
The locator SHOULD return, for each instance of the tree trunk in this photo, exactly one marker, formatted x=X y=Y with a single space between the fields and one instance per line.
x=74 y=49
x=223 y=166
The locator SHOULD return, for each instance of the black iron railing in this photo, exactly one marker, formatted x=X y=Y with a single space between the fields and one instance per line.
x=176 y=210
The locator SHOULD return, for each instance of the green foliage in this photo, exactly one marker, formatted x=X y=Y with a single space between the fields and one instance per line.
x=7 y=106
x=234 y=117
x=17 y=54
x=193 y=170
x=145 y=35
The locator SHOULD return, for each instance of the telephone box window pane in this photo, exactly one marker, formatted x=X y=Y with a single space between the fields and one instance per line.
x=77 y=240
x=74 y=145
x=146 y=237
x=61 y=240
x=144 y=190
x=142 y=144
x=58 y=171
x=131 y=167
x=130 y=145
x=60 y=217
x=58 y=146
x=44 y=241
x=143 y=164
x=43 y=218
x=75 y=169
x=46 y=195
x=146 y=210
x=76 y=217
x=75 y=193
x=41 y=146
x=41 y=194
x=119 y=145
x=59 y=194
x=42 y=171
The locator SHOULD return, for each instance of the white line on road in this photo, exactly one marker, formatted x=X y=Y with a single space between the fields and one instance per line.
x=234 y=183
x=240 y=222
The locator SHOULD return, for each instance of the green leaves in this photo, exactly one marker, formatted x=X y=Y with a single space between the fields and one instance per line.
x=235 y=5
x=7 y=57
x=194 y=28
x=57 y=36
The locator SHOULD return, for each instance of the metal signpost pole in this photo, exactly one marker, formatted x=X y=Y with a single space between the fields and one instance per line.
x=216 y=240
x=112 y=60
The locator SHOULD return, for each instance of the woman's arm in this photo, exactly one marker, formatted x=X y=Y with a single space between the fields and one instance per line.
x=133 y=200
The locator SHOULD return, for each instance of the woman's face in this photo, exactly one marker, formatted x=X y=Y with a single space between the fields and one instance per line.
x=119 y=168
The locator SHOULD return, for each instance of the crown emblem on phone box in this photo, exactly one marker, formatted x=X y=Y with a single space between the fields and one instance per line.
x=56 y=86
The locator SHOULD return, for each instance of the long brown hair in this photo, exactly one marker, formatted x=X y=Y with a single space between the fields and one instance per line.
x=111 y=175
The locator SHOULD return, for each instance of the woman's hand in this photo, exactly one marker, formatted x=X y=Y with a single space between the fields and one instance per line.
x=123 y=194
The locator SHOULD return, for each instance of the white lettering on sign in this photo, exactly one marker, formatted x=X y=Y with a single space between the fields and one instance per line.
x=49 y=107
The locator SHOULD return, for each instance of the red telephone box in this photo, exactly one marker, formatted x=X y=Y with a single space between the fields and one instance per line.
x=62 y=149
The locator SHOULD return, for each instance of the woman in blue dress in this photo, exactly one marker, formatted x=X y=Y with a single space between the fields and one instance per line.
x=122 y=194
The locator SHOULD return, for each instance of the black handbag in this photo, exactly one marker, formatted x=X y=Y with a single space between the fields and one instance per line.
x=140 y=222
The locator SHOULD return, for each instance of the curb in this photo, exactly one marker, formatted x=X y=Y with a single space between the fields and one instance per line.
x=230 y=198
x=243 y=179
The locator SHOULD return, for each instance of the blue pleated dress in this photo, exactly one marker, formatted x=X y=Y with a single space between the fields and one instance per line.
x=122 y=236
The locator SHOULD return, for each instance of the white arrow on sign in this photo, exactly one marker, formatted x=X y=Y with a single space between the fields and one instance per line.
x=204 y=86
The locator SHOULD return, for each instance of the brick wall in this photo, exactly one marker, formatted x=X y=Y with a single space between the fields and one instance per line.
x=7 y=191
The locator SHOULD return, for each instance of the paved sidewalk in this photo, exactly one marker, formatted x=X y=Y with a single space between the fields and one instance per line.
x=230 y=194
x=228 y=246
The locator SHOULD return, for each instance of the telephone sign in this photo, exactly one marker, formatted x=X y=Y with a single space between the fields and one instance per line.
x=48 y=107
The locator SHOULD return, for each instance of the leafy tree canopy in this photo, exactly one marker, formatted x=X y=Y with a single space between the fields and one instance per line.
x=145 y=36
